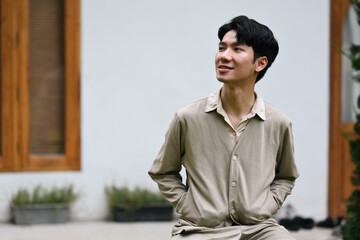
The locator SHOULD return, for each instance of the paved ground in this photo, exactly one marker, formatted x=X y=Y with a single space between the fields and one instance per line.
x=116 y=231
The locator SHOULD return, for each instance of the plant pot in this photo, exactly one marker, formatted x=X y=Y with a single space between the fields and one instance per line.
x=146 y=212
x=40 y=213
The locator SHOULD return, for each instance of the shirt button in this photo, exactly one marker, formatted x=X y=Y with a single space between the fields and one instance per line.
x=232 y=211
x=233 y=184
x=234 y=158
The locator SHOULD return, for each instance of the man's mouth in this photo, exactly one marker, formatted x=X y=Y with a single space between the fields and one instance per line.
x=223 y=66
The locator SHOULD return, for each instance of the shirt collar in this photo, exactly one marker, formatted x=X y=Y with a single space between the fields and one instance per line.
x=214 y=101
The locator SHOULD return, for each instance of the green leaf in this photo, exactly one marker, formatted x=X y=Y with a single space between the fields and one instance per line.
x=41 y=195
x=132 y=198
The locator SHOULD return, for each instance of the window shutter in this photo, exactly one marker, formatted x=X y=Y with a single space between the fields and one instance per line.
x=46 y=76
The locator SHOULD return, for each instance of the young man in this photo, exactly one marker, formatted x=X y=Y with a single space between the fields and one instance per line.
x=237 y=149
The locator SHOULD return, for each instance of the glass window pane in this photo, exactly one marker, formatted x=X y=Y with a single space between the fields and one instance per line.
x=350 y=89
x=46 y=76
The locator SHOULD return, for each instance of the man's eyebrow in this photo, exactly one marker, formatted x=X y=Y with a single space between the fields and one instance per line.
x=232 y=44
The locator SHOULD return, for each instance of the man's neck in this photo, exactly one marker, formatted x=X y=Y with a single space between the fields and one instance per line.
x=237 y=102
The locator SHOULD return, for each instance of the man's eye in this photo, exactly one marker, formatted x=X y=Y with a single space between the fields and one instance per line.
x=237 y=49
x=221 y=48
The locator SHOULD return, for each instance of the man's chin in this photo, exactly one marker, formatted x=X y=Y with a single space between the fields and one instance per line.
x=222 y=80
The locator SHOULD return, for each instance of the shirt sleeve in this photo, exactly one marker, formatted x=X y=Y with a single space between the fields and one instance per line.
x=286 y=170
x=165 y=170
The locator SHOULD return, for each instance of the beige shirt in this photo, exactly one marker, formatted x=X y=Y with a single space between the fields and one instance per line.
x=245 y=184
x=214 y=102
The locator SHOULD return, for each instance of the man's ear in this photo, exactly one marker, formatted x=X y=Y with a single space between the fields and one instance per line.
x=260 y=63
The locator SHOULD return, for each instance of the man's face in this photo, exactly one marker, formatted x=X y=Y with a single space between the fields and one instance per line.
x=234 y=62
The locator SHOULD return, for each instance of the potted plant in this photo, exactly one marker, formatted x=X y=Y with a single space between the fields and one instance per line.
x=352 y=227
x=137 y=205
x=41 y=205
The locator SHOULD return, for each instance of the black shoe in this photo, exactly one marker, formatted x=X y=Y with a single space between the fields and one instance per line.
x=308 y=223
x=296 y=223
x=290 y=224
x=330 y=222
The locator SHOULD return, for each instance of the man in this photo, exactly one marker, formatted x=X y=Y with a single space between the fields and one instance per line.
x=237 y=149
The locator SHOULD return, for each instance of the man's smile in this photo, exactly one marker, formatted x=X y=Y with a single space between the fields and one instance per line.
x=224 y=67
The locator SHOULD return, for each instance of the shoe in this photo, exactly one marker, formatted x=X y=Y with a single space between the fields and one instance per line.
x=296 y=223
x=330 y=222
x=308 y=223
x=290 y=224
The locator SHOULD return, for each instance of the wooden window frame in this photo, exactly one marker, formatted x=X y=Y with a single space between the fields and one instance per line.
x=15 y=91
x=340 y=165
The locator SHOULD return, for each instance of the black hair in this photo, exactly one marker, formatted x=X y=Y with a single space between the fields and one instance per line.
x=255 y=35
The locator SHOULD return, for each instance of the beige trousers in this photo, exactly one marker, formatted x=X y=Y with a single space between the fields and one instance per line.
x=267 y=230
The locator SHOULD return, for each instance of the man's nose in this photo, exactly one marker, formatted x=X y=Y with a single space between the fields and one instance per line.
x=226 y=55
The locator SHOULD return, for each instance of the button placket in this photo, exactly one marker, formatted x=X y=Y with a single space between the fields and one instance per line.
x=233 y=184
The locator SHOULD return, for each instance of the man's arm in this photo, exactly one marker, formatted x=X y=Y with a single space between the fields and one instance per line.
x=286 y=171
x=165 y=170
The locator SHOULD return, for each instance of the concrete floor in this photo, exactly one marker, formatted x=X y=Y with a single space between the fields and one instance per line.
x=116 y=231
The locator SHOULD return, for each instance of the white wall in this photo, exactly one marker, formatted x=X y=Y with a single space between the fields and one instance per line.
x=142 y=60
